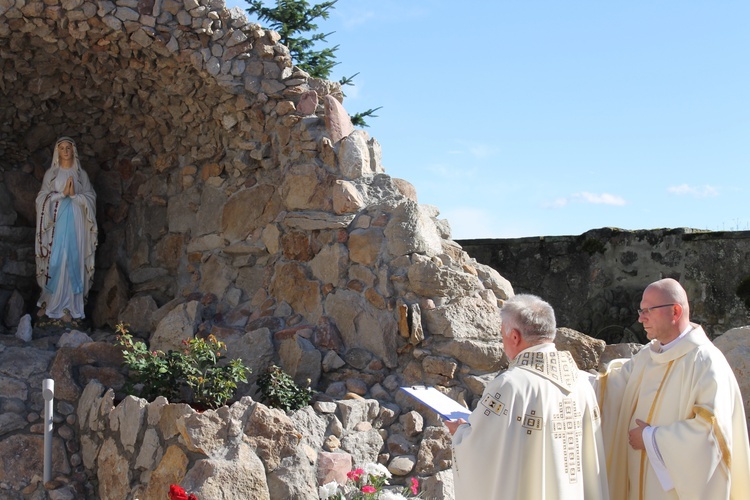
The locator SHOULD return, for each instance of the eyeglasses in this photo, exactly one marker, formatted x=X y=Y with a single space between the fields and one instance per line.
x=647 y=310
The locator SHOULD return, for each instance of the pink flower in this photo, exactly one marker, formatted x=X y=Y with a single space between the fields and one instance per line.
x=414 y=486
x=368 y=489
x=355 y=474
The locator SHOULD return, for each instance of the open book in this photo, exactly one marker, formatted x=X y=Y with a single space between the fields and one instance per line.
x=446 y=407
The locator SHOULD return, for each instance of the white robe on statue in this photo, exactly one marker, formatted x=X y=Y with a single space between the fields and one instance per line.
x=535 y=434
x=690 y=397
x=66 y=239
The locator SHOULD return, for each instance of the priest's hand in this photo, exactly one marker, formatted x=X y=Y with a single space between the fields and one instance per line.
x=635 y=435
x=453 y=425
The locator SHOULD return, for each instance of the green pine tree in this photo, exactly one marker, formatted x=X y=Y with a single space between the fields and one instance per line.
x=294 y=20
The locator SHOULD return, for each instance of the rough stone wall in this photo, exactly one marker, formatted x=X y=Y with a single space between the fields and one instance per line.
x=248 y=450
x=595 y=280
x=225 y=206
x=214 y=189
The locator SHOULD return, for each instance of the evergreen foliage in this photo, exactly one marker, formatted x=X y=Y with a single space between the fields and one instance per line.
x=294 y=20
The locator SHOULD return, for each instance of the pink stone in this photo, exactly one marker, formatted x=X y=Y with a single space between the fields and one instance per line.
x=333 y=467
x=338 y=123
x=308 y=103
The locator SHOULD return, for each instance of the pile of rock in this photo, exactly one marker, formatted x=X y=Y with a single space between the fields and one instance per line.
x=137 y=449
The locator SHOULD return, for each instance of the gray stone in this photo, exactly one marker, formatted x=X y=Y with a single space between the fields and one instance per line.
x=179 y=324
x=429 y=279
x=311 y=426
x=208 y=433
x=10 y=422
x=21 y=455
x=617 y=351
x=586 y=351
x=256 y=350
x=354 y=156
x=24 y=363
x=464 y=318
x=127 y=419
x=412 y=422
x=438 y=486
x=13 y=388
x=332 y=361
x=330 y=263
x=24 y=331
x=301 y=360
x=434 y=451
x=211 y=206
x=362 y=325
x=138 y=313
x=294 y=478
x=73 y=338
x=363 y=446
x=479 y=354
x=14 y=310
x=411 y=230
x=148 y=451
x=402 y=465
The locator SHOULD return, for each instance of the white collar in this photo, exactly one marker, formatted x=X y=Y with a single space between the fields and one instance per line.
x=669 y=345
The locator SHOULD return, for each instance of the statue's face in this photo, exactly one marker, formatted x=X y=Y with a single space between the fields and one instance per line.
x=65 y=151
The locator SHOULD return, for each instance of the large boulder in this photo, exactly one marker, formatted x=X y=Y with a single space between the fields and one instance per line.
x=586 y=350
x=735 y=344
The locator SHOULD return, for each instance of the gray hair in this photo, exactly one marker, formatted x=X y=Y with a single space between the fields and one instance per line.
x=531 y=316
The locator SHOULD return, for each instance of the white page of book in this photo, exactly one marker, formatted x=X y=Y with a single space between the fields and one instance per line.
x=446 y=407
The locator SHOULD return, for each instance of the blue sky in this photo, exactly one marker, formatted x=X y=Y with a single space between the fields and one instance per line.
x=531 y=118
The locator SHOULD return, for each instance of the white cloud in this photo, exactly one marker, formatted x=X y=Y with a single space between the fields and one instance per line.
x=557 y=203
x=599 y=199
x=695 y=191
x=586 y=197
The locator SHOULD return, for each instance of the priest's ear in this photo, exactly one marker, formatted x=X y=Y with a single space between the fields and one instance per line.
x=514 y=337
x=512 y=343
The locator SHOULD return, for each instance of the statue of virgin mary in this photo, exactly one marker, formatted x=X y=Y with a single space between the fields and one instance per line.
x=66 y=235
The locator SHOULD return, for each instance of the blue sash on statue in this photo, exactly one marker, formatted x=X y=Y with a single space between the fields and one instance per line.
x=65 y=249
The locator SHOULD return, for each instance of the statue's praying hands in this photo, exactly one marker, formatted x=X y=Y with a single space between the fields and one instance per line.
x=69 y=189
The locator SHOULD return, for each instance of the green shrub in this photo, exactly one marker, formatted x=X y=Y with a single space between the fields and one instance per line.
x=194 y=373
x=280 y=391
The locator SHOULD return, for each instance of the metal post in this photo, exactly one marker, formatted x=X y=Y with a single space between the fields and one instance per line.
x=48 y=391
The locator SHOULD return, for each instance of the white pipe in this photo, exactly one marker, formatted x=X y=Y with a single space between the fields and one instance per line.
x=48 y=391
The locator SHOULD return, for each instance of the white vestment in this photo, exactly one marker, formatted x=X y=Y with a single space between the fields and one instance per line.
x=535 y=434
x=690 y=397
x=64 y=275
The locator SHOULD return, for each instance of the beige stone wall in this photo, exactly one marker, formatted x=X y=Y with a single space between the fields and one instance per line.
x=233 y=196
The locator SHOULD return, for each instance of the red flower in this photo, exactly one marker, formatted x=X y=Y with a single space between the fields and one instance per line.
x=368 y=489
x=355 y=474
x=177 y=493
x=414 y=486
